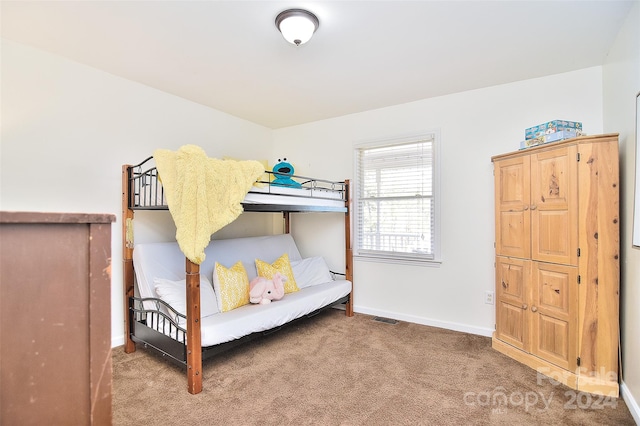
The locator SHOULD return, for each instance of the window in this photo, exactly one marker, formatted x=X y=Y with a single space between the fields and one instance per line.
x=396 y=215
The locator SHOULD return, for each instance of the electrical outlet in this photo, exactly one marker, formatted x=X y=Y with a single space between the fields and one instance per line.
x=488 y=297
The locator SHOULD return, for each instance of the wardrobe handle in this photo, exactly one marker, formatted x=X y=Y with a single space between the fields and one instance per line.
x=524 y=307
x=526 y=208
x=533 y=207
x=534 y=309
x=505 y=285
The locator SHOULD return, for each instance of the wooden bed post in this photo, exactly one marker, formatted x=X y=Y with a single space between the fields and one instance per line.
x=348 y=247
x=127 y=257
x=194 y=338
x=287 y=222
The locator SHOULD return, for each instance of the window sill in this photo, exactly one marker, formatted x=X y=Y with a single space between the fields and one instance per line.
x=434 y=263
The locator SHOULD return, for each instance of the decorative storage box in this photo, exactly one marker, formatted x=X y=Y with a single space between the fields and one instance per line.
x=550 y=137
x=552 y=127
x=560 y=135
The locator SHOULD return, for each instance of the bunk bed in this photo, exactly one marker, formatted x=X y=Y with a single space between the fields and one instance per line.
x=155 y=324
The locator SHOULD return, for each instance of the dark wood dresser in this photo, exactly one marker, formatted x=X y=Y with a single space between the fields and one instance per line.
x=55 y=318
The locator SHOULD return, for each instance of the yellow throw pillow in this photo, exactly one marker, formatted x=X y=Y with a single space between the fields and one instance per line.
x=281 y=265
x=231 y=286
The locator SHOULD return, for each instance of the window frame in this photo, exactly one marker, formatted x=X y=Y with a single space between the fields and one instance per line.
x=391 y=257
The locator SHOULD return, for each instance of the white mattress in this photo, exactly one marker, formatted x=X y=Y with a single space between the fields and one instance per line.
x=165 y=260
x=295 y=196
x=231 y=325
x=150 y=195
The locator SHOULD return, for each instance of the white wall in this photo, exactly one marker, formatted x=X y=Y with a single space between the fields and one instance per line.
x=474 y=126
x=67 y=129
x=621 y=82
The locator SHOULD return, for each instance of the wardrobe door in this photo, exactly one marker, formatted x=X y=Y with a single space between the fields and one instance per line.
x=554 y=309
x=512 y=202
x=512 y=277
x=554 y=206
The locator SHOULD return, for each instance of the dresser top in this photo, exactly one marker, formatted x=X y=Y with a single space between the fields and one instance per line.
x=44 y=217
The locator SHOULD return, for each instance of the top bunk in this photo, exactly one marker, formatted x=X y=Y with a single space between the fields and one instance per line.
x=271 y=193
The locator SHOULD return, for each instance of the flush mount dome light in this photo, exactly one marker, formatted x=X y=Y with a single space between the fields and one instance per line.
x=297 y=25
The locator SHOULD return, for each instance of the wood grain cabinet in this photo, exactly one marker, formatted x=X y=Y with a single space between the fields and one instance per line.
x=557 y=260
x=55 y=319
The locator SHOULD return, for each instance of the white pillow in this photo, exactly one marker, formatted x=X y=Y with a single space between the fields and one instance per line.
x=311 y=271
x=174 y=293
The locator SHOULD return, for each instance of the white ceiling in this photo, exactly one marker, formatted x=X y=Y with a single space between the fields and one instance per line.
x=366 y=54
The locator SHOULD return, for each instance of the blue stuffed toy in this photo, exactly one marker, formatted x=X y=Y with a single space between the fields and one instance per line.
x=283 y=172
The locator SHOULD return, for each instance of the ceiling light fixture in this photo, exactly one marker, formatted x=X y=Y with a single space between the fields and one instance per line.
x=297 y=25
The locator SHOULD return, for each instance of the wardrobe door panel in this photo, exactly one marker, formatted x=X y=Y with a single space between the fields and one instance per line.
x=554 y=206
x=512 y=207
x=554 y=307
x=512 y=276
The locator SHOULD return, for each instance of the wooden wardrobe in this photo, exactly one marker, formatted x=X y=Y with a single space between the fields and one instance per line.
x=557 y=260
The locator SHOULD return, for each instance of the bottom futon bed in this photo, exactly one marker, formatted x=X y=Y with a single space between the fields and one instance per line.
x=160 y=274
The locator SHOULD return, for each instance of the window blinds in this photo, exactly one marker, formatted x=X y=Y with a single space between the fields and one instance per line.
x=395 y=200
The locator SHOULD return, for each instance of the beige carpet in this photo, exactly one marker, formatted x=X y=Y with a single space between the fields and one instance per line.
x=333 y=370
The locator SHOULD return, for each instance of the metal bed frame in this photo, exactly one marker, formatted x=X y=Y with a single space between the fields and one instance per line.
x=156 y=329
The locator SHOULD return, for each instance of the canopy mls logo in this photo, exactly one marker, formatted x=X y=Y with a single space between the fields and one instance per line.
x=580 y=399
x=500 y=400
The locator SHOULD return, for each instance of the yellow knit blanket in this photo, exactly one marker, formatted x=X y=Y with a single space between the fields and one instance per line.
x=204 y=194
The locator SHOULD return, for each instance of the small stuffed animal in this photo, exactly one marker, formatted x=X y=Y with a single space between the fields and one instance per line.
x=283 y=172
x=263 y=291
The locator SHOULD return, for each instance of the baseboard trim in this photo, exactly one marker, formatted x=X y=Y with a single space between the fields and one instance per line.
x=117 y=341
x=631 y=402
x=487 y=332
